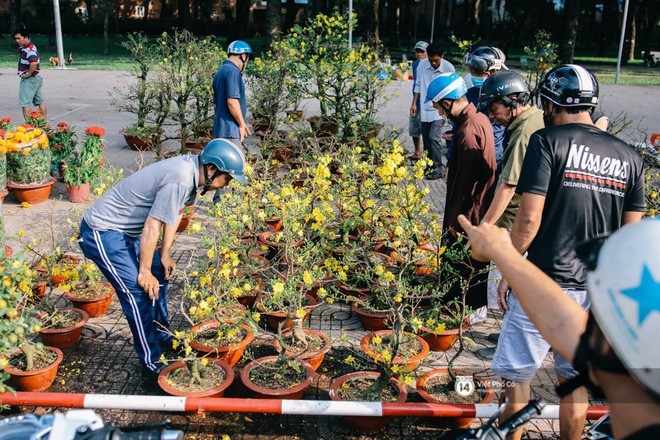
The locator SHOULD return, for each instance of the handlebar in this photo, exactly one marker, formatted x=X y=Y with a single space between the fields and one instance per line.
x=490 y=432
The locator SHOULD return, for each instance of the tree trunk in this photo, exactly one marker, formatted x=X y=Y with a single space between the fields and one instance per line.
x=376 y=19
x=569 y=32
x=183 y=12
x=629 y=54
x=106 y=28
x=14 y=16
x=291 y=13
x=242 y=18
x=145 y=4
x=273 y=20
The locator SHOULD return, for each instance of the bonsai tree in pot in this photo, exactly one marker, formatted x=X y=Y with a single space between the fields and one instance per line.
x=28 y=163
x=83 y=166
x=31 y=366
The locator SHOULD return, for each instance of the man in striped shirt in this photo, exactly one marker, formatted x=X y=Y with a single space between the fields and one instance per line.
x=28 y=69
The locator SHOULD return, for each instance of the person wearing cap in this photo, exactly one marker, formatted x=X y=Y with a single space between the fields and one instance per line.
x=577 y=182
x=414 y=123
x=505 y=97
x=483 y=62
x=433 y=125
x=614 y=344
x=229 y=94
x=120 y=232
x=471 y=178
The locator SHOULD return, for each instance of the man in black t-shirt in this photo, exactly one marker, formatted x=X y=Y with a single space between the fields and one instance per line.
x=577 y=182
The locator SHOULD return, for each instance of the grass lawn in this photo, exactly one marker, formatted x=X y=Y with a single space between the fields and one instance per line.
x=88 y=55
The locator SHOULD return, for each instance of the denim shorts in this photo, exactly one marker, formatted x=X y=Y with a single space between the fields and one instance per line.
x=521 y=349
x=29 y=92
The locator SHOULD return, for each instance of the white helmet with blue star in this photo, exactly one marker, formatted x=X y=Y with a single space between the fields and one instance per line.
x=625 y=298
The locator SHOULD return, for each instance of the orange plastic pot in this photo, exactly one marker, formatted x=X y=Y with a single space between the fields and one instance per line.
x=35 y=380
x=273 y=319
x=230 y=354
x=295 y=392
x=248 y=300
x=313 y=358
x=460 y=422
x=79 y=193
x=218 y=391
x=185 y=220
x=64 y=338
x=445 y=340
x=94 y=307
x=144 y=142
x=32 y=194
x=366 y=424
x=371 y=321
x=410 y=363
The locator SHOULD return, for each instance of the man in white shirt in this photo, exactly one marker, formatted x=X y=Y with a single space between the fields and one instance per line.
x=433 y=125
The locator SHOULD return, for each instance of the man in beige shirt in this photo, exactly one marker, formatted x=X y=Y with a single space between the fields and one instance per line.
x=506 y=96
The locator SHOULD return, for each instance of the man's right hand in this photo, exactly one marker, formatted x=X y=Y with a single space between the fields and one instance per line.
x=413 y=110
x=244 y=131
x=149 y=283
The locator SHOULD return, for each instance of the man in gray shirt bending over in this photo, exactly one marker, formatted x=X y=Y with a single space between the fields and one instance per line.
x=119 y=233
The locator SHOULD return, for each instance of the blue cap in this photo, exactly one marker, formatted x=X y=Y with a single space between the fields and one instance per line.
x=238 y=47
x=446 y=86
x=226 y=156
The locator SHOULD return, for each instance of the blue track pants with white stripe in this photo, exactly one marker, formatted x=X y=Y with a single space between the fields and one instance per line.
x=118 y=257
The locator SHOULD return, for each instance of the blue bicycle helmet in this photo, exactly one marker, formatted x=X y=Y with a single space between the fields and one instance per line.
x=239 y=47
x=446 y=86
x=226 y=156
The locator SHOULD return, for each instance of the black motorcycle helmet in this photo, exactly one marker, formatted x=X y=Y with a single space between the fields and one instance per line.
x=570 y=85
x=508 y=86
x=485 y=58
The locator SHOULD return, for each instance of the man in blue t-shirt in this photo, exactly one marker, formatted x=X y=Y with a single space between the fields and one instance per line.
x=229 y=95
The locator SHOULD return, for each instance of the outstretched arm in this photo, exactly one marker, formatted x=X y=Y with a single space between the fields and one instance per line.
x=560 y=320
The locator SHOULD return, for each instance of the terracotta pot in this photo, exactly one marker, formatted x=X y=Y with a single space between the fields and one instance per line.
x=9 y=251
x=295 y=392
x=323 y=127
x=461 y=422
x=410 y=363
x=194 y=146
x=35 y=380
x=274 y=246
x=371 y=321
x=39 y=289
x=4 y=193
x=79 y=193
x=56 y=280
x=185 y=220
x=273 y=319
x=282 y=154
x=352 y=291
x=274 y=223
x=261 y=127
x=218 y=391
x=313 y=358
x=231 y=354
x=94 y=307
x=249 y=300
x=445 y=340
x=140 y=143
x=64 y=338
x=365 y=423
x=32 y=194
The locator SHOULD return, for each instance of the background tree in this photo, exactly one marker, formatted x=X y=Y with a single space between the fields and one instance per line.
x=273 y=20
x=14 y=15
x=570 y=18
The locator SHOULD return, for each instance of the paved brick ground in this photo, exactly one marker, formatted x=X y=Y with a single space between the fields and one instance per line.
x=104 y=362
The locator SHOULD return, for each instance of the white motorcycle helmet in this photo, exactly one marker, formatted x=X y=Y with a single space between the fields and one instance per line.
x=625 y=299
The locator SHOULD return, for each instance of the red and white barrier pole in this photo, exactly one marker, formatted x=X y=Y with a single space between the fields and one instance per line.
x=266 y=406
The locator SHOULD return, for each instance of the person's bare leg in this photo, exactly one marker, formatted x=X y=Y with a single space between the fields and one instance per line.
x=26 y=113
x=572 y=413
x=417 y=142
x=518 y=396
x=42 y=108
